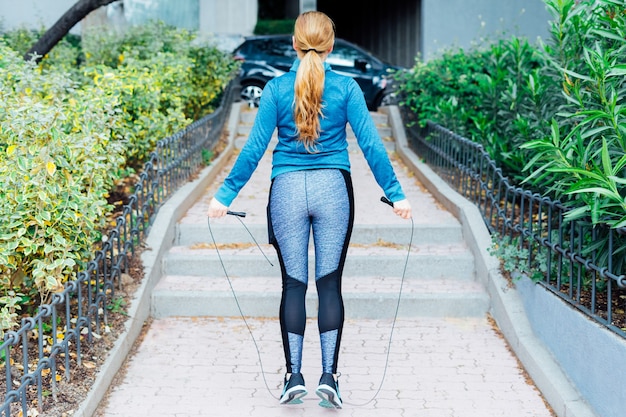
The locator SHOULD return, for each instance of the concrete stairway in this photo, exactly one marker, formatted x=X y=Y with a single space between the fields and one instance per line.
x=439 y=278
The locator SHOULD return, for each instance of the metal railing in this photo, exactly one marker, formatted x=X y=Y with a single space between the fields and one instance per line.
x=47 y=346
x=575 y=260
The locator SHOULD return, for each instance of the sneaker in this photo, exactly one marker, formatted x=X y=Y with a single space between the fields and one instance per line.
x=294 y=390
x=328 y=391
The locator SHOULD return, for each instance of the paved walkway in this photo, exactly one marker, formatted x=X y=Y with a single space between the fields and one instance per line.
x=436 y=367
x=208 y=366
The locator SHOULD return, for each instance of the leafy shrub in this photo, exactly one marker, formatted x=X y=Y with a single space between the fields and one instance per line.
x=150 y=108
x=582 y=161
x=71 y=127
x=211 y=71
x=112 y=47
x=66 y=55
x=162 y=79
x=552 y=116
x=496 y=95
x=274 y=27
x=56 y=155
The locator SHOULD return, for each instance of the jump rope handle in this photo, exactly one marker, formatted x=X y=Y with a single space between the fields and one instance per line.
x=386 y=200
x=236 y=213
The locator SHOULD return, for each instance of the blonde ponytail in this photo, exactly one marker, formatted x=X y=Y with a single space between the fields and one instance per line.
x=314 y=35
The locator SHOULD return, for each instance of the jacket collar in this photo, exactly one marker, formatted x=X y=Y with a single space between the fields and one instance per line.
x=296 y=64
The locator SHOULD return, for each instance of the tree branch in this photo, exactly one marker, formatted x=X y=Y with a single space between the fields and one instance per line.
x=56 y=32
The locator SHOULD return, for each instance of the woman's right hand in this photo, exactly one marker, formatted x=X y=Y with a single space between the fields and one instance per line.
x=402 y=208
x=216 y=209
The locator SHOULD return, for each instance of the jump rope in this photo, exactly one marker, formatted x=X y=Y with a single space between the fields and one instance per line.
x=239 y=215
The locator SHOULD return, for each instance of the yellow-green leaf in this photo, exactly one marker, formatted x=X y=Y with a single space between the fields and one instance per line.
x=51 y=167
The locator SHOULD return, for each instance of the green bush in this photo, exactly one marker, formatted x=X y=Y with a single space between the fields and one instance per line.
x=113 y=47
x=150 y=108
x=496 y=95
x=66 y=55
x=211 y=71
x=274 y=27
x=162 y=79
x=71 y=127
x=582 y=160
x=56 y=155
x=552 y=116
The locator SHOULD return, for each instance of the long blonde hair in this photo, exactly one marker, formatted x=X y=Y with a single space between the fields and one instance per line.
x=314 y=35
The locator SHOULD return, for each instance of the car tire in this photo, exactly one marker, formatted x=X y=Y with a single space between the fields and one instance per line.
x=251 y=94
x=387 y=99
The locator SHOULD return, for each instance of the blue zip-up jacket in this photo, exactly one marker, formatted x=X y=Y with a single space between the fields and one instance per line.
x=343 y=103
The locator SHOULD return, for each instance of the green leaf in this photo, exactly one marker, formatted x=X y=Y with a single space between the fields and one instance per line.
x=581 y=172
x=609 y=35
x=595 y=130
x=597 y=190
x=617 y=179
x=617 y=71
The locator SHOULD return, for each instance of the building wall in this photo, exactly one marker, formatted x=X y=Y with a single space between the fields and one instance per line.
x=223 y=21
x=228 y=17
x=460 y=23
x=32 y=14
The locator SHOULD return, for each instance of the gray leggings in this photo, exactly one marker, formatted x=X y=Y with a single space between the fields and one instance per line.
x=320 y=200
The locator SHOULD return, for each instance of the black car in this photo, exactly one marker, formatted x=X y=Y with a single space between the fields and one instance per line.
x=268 y=56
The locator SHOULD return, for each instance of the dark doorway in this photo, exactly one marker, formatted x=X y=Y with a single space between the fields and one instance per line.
x=388 y=29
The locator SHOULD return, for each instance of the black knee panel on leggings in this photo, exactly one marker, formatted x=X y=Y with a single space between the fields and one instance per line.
x=292 y=307
x=331 y=310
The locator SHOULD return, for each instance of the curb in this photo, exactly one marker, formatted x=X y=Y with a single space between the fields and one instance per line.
x=506 y=305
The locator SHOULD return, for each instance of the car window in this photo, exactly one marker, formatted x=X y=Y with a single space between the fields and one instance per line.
x=345 y=56
x=275 y=48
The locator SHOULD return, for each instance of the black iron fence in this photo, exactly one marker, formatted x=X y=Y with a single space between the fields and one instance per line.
x=45 y=349
x=581 y=263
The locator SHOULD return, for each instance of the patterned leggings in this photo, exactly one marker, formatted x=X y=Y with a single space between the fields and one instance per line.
x=320 y=200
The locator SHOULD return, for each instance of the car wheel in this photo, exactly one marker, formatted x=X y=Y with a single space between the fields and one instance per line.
x=251 y=94
x=388 y=99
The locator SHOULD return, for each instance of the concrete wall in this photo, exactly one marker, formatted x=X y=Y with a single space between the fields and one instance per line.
x=33 y=14
x=223 y=22
x=228 y=17
x=461 y=23
x=591 y=355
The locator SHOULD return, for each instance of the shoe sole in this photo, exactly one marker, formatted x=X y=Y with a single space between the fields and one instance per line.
x=329 y=397
x=293 y=395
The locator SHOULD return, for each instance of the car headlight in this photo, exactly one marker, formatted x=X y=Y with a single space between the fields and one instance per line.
x=380 y=82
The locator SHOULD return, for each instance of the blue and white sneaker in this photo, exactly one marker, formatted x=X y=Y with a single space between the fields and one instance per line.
x=328 y=391
x=294 y=389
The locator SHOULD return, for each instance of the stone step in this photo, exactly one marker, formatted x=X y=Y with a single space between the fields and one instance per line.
x=365 y=297
x=453 y=261
x=192 y=234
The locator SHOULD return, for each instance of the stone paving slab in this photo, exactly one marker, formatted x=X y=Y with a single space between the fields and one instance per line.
x=364 y=297
x=359 y=262
x=208 y=366
x=351 y=284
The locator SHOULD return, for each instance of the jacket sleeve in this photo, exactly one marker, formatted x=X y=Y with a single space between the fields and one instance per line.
x=371 y=144
x=254 y=149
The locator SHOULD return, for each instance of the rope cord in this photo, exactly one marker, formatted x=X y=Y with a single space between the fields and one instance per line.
x=395 y=316
x=230 y=284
